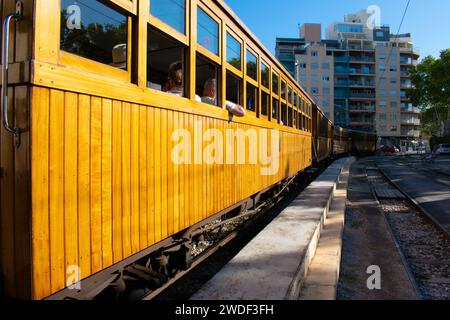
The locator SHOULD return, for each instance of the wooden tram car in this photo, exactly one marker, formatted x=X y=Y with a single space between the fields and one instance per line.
x=86 y=145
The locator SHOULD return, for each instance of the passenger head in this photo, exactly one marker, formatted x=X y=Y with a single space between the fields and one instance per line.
x=175 y=77
x=210 y=89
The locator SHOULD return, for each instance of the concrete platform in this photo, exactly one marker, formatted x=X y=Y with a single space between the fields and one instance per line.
x=274 y=265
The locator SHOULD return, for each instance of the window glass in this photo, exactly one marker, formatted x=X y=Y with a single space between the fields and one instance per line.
x=207 y=32
x=165 y=63
x=93 y=30
x=283 y=114
x=265 y=76
x=275 y=83
x=234 y=88
x=290 y=117
x=290 y=95
x=283 y=90
x=252 y=97
x=275 y=108
x=171 y=12
x=265 y=102
x=234 y=52
x=295 y=99
x=207 y=84
x=295 y=124
x=252 y=66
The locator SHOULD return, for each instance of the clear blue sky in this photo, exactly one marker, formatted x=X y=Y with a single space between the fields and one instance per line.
x=428 y=21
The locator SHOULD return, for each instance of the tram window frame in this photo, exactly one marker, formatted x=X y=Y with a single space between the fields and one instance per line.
x=200 y=48
x=275 y=106
x=162 y=24
x=217 y=78
x=240 y=87
x=256 y=106
x=290 y=116
x=290 y=93
x=283 y=114
x=250 y=52
x=265 y=66
x=275 y=86
x=230 y=33
x=183 y=56
x=283 y=90
x=265 y=96
x=92 y=66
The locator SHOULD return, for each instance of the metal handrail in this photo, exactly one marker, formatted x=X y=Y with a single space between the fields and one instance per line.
x=5 y=62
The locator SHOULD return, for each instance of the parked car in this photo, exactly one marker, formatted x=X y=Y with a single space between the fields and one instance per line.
x=443 y=149
x=389 y=149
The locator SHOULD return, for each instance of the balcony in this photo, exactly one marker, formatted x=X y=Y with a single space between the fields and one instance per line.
x=411 y=133
x=406 y=85
x=363 y=72
x=362 y=108
x=342 y=59
x=362 y=59
x=360 y=48
x=362 y=84
x=410 y=121
x=409 y=109
x=362 y=95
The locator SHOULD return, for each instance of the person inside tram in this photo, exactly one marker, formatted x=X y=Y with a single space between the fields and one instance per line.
x=174 y=83
x=210 y=97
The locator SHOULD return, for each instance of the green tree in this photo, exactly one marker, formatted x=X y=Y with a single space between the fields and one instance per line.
x=431 y=91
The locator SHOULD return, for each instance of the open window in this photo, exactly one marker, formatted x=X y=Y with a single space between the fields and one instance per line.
x=234 y=88
x=265 y=104
x=207 y=85
x=252 y=98
x=284 y=119
x=275 y=109
x=166 y=67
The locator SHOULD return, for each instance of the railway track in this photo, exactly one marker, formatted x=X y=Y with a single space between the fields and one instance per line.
x=423 y=243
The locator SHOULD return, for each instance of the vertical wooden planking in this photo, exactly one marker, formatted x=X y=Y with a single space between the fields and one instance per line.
x=107 y=211
x=96 y=184
x=126 y=180
x=84 y=184
x=117 y=180
x=40 y=123
x=204 y=181
x=164 y=174
x=57 y=250
x=157 y=173
x=182 y=167
x=176 y=180
x=143 y=177
x=190 y=198
x=135 y=179
x=151 y=176
x=22 y=221
x=170 y=176
x=7 y=205
x=71 y=179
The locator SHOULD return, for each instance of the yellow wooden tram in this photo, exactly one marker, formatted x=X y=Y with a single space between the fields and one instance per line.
x=87 y=178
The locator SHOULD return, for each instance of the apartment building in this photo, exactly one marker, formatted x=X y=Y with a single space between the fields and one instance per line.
x=358 y=74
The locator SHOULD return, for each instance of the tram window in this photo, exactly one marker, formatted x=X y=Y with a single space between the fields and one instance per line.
x=295 y=99
x=93 y=30
x=252 y=97
x=234 y=52
x=283 y=114
x=275 y=108
x=275 y=82
x=234 y=89
x=283 y=90
x=265 y=76
x=171 y=12
x=290 y=117
x=290 y=95
x=207 y=32
x=163 y=57
x=265 y=102
x=252 y=66
x=207 y=84
x=295 y=119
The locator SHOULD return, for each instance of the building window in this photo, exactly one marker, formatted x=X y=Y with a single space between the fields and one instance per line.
x=315 y=77
x=166 y=66
x=252 y=66
x=172 y=13
x=326 y=66
x=326 y=91
x=207 y=32
x=314 y=53
x=101 y=37
x=326 y=79
x=382 y=68
x=314 y=90
x=380 y=34
x=234 y=52
x=314 y=66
